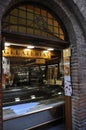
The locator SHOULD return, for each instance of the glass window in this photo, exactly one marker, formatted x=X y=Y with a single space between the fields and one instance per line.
x=22 y=14
x=30 y=8
x=56 y=30
x=37 y=10
x=30 y=15
x=50 y=21
x=13 y=28
x=55 y=23
x=49 y=15
x=43 y=12
x=50 y=28
x=14 y=12
x=21 y=21
x=30 y=23
x=30 y=30
x=37 y=32
x=22 y=29
x=35 y=18
x=13 y=20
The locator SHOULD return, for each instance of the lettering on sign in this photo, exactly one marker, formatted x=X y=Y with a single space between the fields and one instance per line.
x=12 y=52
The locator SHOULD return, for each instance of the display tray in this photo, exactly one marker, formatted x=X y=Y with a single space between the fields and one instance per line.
x=14 y=96
x=15 y=111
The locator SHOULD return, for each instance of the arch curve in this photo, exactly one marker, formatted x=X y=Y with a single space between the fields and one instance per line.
x=59 y=8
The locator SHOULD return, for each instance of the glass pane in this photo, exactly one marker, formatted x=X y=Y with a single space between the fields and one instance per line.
x=22 y=14
x=43 y=12
x=56 y=30
x=30 y=30
x=22 y=7
x=50 y=35
x=30 y=8
x=50 y=21
x=13 y=20
x=37 y=10
x=50 y=28
x=55 y=23
x=14 y=12
x=29 y=15
x=50 y=16
x=60 y=31
x=37 y=32
x=44 y=34
x=22 y=29
x=29 y=23
x=62 y=37
x=13 y=28
x=56 y=34
x=22 y=21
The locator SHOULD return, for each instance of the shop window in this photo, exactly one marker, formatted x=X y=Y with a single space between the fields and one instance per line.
x=33 y=17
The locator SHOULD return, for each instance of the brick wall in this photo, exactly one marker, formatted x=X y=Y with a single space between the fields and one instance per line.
x=78 y=67
x=78 y=62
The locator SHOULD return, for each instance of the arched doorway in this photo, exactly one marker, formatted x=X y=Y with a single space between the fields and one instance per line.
x=35 y=25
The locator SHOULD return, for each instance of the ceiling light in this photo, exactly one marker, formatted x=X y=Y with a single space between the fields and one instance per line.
x=30 y=47
x=50 y=49
x=46 y=51
x=7 y=44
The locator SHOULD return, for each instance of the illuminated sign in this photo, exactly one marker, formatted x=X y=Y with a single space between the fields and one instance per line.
x=27 y=53
x=40 y=61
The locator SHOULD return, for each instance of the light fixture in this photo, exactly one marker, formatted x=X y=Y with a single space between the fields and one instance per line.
x=45 y=51
x=7 y=44
x=50 y=49
x=30 y=47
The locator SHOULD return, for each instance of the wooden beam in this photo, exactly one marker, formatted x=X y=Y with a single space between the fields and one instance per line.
x=68 y=117
x=35 y=40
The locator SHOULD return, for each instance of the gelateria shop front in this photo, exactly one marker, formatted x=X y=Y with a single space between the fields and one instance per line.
x=36 y=68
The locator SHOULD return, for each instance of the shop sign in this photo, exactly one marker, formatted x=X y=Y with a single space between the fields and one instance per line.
x=40 y=61
x=27 y=53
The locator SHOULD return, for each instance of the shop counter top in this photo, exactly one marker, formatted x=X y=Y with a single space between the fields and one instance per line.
x=19 y=110
x=30 y=115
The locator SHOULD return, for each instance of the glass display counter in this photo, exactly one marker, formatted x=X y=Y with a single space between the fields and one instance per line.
x=30 y=115
x=29 y=107
x=17 y=95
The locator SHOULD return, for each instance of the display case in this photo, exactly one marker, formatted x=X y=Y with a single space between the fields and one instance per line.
x=17 y=95
x=33 y=94
x=33 y=114
x=32 y=106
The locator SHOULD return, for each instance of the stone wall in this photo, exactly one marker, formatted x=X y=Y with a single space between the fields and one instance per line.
x=78 y=74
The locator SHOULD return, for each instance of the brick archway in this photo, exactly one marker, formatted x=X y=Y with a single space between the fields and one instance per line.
x=77 y=43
